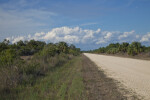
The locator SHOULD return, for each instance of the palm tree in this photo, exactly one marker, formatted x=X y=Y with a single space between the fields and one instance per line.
x=63 y=47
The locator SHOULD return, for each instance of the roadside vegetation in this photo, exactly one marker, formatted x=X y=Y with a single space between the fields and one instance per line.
x=34 y=70
x=45 y=74
x=135 y=48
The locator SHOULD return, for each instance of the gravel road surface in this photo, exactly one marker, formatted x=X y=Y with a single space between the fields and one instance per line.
x=134 y=74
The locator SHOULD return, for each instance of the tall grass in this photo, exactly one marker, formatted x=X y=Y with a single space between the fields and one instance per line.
x=22 y=74
x=18 y=73
x=62 y=82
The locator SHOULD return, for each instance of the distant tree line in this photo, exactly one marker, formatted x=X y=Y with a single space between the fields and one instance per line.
x=9 y=52
x=132 y=49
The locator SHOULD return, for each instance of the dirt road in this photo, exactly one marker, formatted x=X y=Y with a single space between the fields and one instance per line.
x=131 y=73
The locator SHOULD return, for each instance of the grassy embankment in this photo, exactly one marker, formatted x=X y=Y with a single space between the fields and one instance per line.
x=35 y=70
x=64 y=82
x=60 y=84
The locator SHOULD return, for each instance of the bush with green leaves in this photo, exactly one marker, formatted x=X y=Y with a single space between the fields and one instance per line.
x=49 y=50
x=25 y=48
x=101 y=50
x=112 y=51
x=7 y=57
x=123 y=47
x=135 y=48
x=63 y=47
x=73 y=50
x=4 y=45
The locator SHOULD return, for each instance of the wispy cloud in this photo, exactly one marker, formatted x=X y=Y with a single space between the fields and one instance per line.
x=88 y=24
x=19 y=4
x=14 y=18
x=21 y=21
x=130 y=2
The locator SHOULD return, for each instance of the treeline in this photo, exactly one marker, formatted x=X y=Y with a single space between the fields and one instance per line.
x=132 y=49
x=25 y=48
x=16 y=73
x=9 y=52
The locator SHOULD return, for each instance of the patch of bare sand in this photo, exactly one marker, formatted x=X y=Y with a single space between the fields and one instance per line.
x=132 y=73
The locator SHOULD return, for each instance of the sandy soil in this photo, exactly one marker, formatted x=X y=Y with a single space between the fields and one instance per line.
x=134 y=74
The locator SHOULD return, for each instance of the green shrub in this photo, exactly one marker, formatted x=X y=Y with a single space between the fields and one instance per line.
x=63 y=47
x=123 y=47
x=135 y=48
x=75 y=51
x=7 y=57
x=49 y=50
x=112 y=51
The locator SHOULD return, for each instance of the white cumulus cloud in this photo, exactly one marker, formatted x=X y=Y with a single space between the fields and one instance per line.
x=126 y=34
x=108 y=35
x=14 y=40
x=146 y=38
x=80 y=36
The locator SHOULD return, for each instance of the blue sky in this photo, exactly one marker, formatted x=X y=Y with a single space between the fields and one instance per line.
x=88 y=24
